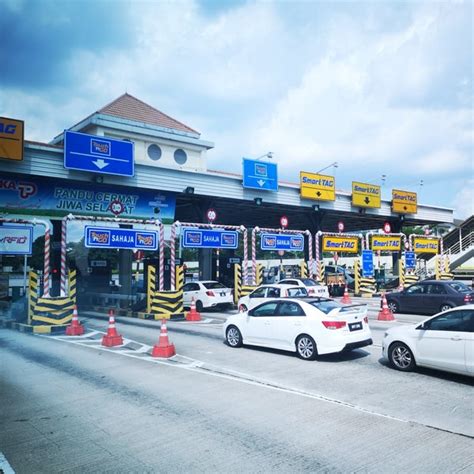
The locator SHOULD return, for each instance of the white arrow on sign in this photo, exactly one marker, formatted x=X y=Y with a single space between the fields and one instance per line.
x=101 y=163
x=261 y=182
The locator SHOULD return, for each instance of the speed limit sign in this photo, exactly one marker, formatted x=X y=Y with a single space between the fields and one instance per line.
x=211 y=215
x=387 y=227
x=284 y=221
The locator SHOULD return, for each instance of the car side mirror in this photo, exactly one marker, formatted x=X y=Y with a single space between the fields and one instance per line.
x=421 y=326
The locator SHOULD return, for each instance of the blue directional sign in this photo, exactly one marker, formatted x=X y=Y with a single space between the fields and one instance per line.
x=367 y=263
x=113 y=238
x=98 y=154
x=281 y=242
x=209 y=239
x=410 y=260
x=260 y=175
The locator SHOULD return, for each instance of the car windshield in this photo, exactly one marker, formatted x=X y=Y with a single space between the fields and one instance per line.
x=459 y=286
x=212 y=285
x=326 y=306
x=309 y=282
x=298 y=291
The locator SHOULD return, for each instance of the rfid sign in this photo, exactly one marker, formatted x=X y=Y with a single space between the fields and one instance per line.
x=16 y=240
x=209 y=239
x=98 y=154
x=282 y=242
x=112 y=238
x=260 y=175
x=367 y=263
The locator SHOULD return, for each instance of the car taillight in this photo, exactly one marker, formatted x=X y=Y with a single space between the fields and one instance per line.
x=467 y=299
x=311 y=291
x=366 y=320
x=210 y=293
x=334 y=324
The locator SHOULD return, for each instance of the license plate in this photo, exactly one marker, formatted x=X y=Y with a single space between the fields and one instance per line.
x=355 y=326
x=222 y=294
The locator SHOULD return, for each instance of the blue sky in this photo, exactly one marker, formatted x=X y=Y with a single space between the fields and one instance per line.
x=381 y=87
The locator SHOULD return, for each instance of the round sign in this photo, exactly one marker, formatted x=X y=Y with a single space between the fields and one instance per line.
x=281 y=253
x=427 y=231
x=340 y=226
x=116 y=207
x=211 y=215
x=387 y=227
x=284 y=221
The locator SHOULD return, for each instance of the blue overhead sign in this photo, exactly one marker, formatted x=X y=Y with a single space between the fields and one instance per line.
x=209 y=239
x=367 y=263
x=410 y=260
x=114 y=238
x=282 y=242
x=98 y=154
x=260 y=175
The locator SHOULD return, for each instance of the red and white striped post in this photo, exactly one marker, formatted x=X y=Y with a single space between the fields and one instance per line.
x=63 y=256
x=47 y=252
x=173 y=255
x=245 y=259
x=254 y=255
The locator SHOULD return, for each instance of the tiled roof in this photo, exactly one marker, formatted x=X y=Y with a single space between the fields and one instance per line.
x=129 y=107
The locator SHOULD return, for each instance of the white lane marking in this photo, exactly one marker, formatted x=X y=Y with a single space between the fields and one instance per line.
x=5 y=467
x=203 y=321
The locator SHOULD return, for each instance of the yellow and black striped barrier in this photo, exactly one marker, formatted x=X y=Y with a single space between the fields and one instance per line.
x=442 y=268
x=357 y=277
x=321 y=277
x=367 y=287
x=53 y=311
x=150 y=286
x=259 y=276
x=239 y=288
x=304 y=273
x=33 y=290
x=72 y=279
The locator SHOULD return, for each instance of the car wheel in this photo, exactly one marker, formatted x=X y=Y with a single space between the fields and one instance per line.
x=401 y=357
x=393 y=307
x=445 y=307
x=199 y=306
x=233 y=337
x=242 y=308
x=306 y=347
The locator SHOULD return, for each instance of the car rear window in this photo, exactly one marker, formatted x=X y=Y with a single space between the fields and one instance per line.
x=325 y=306
x=296 y=292
x=211 y=285
x=459 y=286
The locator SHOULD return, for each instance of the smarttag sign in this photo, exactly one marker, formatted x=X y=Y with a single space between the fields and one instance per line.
x=11 y=139
x=424 y=245
x=98 y=154
x=366 y=195
x=209 y=239
x=367 y=263
x=340 y=244
x=404 y=202
x=16 y=240
x=386 y=243
x=259 y=175
x=317 y=186
x=114 y=238
x=282 y=242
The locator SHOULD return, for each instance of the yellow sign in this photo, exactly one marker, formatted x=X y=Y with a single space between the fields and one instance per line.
x=424 y=245
x=404 y=202
x=317 y=186
x=11 y=139
x=366 y=195
x=386 y=242
x=340 y=244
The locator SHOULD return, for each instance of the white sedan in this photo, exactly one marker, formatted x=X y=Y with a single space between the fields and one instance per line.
x=269 y=292
x=444 y=341
x=312 y=286
x=207 y=294
x=308 y=327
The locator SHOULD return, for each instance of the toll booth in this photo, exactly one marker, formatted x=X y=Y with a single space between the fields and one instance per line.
x=226 y=270
x=100 y=276
x=178 y=262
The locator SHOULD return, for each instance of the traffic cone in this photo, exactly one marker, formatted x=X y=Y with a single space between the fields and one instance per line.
x=112 y=338
x=385 y=314
x=164 y=348
x=346 y=299
x=193 y=315
x=75 y=328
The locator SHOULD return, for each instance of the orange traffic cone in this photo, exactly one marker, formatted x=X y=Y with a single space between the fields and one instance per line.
x=193 y=315
x=164 y=348
x=112 y=338
x=385 y=314
x=346 y=299
x=75 y=328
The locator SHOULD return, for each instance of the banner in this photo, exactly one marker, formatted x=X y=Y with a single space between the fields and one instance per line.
x=113 y=238
x=404 y=202
x=424 y=245
x=386 y=243
x=16 y=239
x=340 y=244
x=317 y=186
x=282 y=242
x=366 y=195
x=36 y=195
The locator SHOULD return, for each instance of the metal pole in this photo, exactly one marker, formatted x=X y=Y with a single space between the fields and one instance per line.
x=24 y=274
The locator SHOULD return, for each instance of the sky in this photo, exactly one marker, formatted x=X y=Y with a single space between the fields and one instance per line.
x=380 y=87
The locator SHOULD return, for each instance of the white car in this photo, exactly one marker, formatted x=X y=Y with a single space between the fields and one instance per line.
x=269 y=292
x=312 y=286
x=207 y=294
x=444 y=341
x=308 y=327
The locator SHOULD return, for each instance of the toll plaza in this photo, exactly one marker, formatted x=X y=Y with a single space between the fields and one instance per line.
x=131 y=208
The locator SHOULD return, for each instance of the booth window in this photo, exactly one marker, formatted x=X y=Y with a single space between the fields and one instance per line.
x=154 y=152
x=180 y=156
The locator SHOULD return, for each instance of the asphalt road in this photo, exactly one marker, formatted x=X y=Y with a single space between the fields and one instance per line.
x=70 y=405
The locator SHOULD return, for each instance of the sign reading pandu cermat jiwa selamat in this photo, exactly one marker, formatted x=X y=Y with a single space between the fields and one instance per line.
x=404 y=202
x=340 y=244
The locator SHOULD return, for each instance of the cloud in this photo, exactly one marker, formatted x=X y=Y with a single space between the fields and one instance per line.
x=464 y=200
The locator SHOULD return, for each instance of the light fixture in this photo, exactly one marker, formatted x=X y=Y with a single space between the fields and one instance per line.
x=335 y=164
x=189 y=190
x=98 y=179
x=258 y=201
x=315 y=207
x=268 y=155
